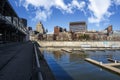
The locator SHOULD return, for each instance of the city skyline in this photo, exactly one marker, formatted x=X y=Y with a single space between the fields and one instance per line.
x=97 y=14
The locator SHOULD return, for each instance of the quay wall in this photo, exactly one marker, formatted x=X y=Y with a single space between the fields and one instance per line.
x=79 y=43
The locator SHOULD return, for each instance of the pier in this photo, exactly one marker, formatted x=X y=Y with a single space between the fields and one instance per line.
x=66 y=50
x=108 y=66
x=112 y=60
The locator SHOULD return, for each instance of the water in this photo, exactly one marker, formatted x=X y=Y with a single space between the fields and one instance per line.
x=67 y=66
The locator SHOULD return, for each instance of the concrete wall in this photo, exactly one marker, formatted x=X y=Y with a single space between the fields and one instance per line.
x=80 y=44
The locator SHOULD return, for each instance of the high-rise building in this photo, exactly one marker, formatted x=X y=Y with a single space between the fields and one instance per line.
x=40 y=28
x=78 y=26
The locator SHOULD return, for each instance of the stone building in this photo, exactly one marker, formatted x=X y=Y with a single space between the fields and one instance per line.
x=64 y=36
x=115 y=36
x=40 y=28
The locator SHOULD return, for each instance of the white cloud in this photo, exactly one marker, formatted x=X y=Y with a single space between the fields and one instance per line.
x=77 y=4
x=99 y=10
x=117 y=2
x=60 y=4
x=37 y=4
x=44 y=13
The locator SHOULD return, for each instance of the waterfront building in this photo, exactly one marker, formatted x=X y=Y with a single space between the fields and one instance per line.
x=24 y=21
x=109 y=30
x=12 y=29
x=50 y=37
x=115 y=36
x=64 y=36
x=78 y=26
x=28 y=36
x=29 y=28
x=40 y=28
x=58 y=29
x=58 y=33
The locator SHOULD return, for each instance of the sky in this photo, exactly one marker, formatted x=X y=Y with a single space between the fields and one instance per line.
x=98 y=14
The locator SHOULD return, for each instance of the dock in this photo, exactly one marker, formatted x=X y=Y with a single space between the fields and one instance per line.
x=66 y=50
x=112 y=60
x=108 y=66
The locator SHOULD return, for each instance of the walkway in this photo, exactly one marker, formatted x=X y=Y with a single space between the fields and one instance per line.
x=16 y=61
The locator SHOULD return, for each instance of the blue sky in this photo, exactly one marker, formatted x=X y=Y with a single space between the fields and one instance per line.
x=97 y=13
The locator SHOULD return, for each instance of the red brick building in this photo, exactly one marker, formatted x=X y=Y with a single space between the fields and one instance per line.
x=109 y=30
x=57 y=30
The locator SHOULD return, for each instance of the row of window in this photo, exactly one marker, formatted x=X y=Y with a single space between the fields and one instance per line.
x=14 y=21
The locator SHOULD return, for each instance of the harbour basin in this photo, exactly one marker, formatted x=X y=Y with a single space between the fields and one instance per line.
x=72 y=66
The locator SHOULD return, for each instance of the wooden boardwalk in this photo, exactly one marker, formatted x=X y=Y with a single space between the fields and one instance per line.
x=108 y=66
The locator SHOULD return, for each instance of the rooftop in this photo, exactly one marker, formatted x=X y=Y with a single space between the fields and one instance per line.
x=78 y=23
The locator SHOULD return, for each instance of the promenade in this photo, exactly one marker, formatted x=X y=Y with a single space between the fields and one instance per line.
x=17 y=62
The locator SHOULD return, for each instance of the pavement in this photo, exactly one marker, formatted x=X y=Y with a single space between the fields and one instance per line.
x=16 y=61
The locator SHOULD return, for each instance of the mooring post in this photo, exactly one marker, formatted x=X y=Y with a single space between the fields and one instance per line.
x=115 y=61
x=100 y=63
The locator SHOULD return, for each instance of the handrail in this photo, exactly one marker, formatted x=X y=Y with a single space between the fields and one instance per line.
x=38 y=64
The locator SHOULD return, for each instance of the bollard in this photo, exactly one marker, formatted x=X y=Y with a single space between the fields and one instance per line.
x=115 y=61
x=100 y=63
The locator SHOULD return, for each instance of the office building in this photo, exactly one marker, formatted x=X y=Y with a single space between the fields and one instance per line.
x=78 y=26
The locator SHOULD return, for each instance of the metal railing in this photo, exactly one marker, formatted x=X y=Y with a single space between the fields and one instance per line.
x=40 y=77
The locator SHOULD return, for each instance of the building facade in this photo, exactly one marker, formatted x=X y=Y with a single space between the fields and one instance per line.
x=24 y=21
x=58 y=29
x=12 y=27
x=78 y=26
x=109 y=30
x=40 y=28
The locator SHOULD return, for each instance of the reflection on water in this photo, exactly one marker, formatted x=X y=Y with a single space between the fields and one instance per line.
x=71 y=66
x=57 y=55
